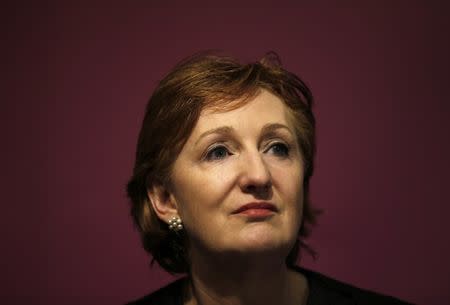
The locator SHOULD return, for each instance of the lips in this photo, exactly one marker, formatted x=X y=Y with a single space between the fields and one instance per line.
x=256 y=209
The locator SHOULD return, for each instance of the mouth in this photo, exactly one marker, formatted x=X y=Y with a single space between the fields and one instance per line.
x=256 y=210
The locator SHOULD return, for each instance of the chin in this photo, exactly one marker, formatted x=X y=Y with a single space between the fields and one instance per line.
x=259 y=242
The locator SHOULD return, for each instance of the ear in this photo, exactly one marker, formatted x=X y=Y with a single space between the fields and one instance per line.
x=163 y=202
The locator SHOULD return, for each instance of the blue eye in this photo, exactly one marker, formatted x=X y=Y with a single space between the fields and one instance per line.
x=279 y=149
x=217 y=153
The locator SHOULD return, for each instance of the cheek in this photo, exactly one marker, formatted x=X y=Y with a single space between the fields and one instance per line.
x=290 y=184
x=289 y=177
x=199 y=193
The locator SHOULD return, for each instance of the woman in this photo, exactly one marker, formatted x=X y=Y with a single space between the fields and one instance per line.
x=220 y=188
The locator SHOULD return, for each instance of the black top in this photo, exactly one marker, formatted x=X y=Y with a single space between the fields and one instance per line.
x=322 y=291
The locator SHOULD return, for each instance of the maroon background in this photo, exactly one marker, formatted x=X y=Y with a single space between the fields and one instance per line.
x=75 y=82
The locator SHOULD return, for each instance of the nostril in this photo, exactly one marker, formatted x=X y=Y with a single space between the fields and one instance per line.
x=264 y=186
x=260 y=191
x=254 y=175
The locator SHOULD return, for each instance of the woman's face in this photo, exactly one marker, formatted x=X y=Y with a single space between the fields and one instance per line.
x=237 y=184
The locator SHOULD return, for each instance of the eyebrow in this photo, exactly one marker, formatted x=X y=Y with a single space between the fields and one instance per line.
x=220 y=130
x=224 y=130
x=269 y=128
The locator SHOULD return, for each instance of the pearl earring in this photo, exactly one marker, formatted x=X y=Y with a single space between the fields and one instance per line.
x=175 y=224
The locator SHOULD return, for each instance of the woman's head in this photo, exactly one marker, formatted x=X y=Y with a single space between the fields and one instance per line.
x=203 y=94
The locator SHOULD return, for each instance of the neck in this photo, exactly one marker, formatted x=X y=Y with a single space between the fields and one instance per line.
x=237 y=281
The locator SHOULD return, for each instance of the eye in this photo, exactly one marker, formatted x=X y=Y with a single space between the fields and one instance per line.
x=217 y=153
x=279 y=149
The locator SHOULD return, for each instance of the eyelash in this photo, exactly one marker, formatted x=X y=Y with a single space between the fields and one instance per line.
x=210 y=154
x=285 y=147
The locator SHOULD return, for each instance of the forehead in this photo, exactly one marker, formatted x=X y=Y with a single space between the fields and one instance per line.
x=263 y=108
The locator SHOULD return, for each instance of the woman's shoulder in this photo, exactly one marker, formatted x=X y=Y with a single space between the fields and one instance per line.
x=167 y=295
x=325 y=290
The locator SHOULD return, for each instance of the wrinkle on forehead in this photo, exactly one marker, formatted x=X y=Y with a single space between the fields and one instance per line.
x=224 y=106
x=221 y=105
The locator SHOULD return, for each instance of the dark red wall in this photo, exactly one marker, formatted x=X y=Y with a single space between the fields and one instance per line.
x=76 y=78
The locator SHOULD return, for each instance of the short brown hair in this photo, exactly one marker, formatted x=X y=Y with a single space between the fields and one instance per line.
x=207 y=80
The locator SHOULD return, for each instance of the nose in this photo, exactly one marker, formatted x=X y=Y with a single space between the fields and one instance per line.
x=255 y=177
